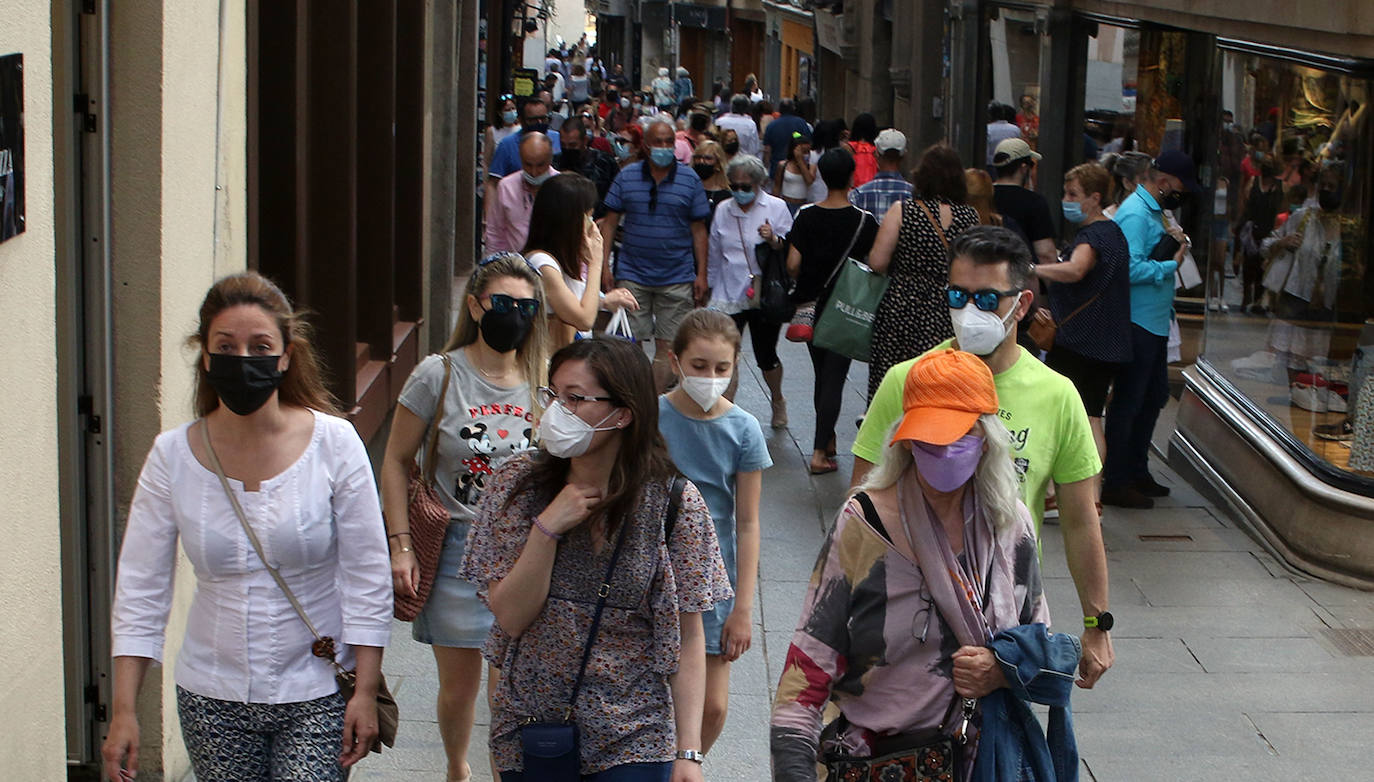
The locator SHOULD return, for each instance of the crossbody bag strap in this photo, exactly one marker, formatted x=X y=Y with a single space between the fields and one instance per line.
x=433 y=443
x=853 y=240
x=935 y=221
x=674 y=502
x=322 y=643
x=746 y=248
x=1079 y=309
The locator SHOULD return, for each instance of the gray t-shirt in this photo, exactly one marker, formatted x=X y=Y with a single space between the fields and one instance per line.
x=483 y=425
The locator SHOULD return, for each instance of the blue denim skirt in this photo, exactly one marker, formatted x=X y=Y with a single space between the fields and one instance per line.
x=453 y=616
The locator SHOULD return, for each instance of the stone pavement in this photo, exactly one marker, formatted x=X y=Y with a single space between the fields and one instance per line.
x=1228 y=666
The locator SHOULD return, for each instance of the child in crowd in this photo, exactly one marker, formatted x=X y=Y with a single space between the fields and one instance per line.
x=720 y=448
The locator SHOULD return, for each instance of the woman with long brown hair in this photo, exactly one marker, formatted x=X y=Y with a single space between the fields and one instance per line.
x=598 y=492
x=493 y=363
x=912 y=250
x=267 y=450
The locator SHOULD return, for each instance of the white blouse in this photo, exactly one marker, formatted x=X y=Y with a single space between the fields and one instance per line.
x=320 y=524
x=730 y=257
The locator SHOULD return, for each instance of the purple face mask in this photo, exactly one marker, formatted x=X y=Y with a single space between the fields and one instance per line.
x=947 y=467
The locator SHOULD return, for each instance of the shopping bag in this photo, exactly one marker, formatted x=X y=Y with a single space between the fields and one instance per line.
x=845 y=326
x=619 y=326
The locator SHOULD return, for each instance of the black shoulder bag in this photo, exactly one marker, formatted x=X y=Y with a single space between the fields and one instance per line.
x=552 y=749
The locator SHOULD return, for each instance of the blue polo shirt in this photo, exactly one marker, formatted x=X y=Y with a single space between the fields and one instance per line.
x=506 y=158
x=656 y=248
x=1152 y=282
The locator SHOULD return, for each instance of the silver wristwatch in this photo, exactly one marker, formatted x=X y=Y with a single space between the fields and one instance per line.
x=692 y=755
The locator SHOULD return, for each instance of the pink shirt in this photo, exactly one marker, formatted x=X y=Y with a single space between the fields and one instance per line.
x=508 y=216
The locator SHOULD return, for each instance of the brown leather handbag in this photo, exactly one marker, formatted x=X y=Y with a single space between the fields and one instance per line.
x=1043 y=328
x=427 y=515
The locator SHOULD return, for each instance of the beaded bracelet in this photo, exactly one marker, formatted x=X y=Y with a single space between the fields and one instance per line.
x=546 y=530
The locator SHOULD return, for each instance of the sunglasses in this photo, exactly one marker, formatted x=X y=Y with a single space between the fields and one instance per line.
x=738 y=188
x=985 y=300
x=502 y=303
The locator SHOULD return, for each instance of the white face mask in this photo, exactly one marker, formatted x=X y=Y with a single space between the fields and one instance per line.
x=980 y=332
x=566 y=435
x=705 y=391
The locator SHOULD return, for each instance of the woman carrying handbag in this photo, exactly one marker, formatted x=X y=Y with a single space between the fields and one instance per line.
x=255 y=702
x=484 y=379
x=597 y=564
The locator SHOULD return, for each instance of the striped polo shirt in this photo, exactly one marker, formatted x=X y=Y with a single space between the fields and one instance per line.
x=657 y=219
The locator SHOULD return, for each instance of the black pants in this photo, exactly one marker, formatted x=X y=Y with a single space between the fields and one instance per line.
x=1142 y=389
x=763 y=335
x=831 y=369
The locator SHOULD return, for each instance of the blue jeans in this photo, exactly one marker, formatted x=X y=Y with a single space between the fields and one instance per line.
x=1142 y=388
x=630 y=772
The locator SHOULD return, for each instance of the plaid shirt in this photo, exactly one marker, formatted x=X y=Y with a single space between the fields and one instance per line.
x=881 y=192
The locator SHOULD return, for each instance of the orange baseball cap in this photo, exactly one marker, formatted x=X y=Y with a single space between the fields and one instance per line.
x=944 y=395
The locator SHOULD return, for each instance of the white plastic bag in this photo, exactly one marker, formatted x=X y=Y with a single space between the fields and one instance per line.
x=619 y=326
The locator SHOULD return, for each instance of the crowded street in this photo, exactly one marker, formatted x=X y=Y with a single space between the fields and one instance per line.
x=672 y=391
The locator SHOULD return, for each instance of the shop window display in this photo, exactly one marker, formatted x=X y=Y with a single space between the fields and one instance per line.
x=1297 y=337
x=1015 y=49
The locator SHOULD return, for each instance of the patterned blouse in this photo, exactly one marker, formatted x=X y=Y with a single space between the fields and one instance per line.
x=871 y=640
x=624 y=710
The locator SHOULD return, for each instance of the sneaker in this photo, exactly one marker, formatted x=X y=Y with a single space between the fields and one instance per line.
x=1151 y=488
x=1335 y=403
x=1308 y=397
x=1256 y=366
x=1051 y=514
x=1213 y=304
x=1342 y=432
x=1224 y=306
x=1126 y=497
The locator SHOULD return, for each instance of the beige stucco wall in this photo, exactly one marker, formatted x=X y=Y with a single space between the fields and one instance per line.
x=177 y=203
x=31 y=678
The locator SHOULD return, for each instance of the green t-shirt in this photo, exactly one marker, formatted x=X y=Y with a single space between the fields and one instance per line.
x=1050 y=435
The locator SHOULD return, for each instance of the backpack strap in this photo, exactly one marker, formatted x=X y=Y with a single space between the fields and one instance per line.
x=871 y=515
x=675 y=492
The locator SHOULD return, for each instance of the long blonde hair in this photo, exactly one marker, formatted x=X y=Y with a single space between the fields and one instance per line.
x=533 y=354
x=998 y=488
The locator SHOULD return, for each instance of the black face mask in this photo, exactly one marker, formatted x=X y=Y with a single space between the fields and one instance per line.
x=731 y=147
x=1329 y=200
x=704 y=171
x=537 y=127
x=571 y=159
x=244 y=383
x=700 y=122
x=505 y=331
x=1171 y=201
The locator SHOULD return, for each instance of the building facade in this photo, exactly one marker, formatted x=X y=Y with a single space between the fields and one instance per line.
x=166 y=145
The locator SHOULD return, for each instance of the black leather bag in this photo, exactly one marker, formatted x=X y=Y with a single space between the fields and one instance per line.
x=552 y=750
x=775 y=287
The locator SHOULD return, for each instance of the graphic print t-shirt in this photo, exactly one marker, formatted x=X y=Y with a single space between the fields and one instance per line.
x=482 y=425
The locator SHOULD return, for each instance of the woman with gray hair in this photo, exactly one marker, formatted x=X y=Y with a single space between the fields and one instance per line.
x=733 y=274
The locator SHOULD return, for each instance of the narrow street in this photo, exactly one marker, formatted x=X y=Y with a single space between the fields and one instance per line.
x=1227 y=666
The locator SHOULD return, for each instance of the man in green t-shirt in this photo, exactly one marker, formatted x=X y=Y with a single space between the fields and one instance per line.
x=1051 y=438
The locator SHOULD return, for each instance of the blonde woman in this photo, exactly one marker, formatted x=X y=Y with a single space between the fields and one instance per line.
x=494 y=361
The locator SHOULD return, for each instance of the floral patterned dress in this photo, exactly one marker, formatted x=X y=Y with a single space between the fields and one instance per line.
x=624 y=710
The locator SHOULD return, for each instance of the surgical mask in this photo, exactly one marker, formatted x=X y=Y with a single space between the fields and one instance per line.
x=244 y=383
x=1329 y=200
x=744 y=197
x=980 y=332
x=704 y=171
x=505 y=331
x=663 y=157
x=705 y=391
x=533 y=180
x=731 y=147
x=1073 y=211
x=947 y=467
x=509 y=117
x=567 y=436
x=537 y=127
x=624 y=103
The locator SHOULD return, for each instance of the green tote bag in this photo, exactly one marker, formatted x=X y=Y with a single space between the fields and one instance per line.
x=846 y=324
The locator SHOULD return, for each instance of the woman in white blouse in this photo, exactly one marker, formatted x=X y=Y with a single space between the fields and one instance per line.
x=740 y=224
x=254 y=703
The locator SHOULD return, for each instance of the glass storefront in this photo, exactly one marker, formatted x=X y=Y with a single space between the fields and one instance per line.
x=1015 y=45
x=1297 y=336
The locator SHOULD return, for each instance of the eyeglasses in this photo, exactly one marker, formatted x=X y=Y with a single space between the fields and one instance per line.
x=501 y=304
x=741 y=188
x=986 y=299
x=547 y=396
x=925 y=625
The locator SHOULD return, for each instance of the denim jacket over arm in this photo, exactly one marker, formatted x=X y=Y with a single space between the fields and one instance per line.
x=1039 y=667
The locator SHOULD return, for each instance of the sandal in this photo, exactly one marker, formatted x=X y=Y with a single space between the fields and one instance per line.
x=830 y=466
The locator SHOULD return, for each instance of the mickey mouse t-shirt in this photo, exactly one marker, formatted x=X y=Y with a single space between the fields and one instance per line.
x=483 y=424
